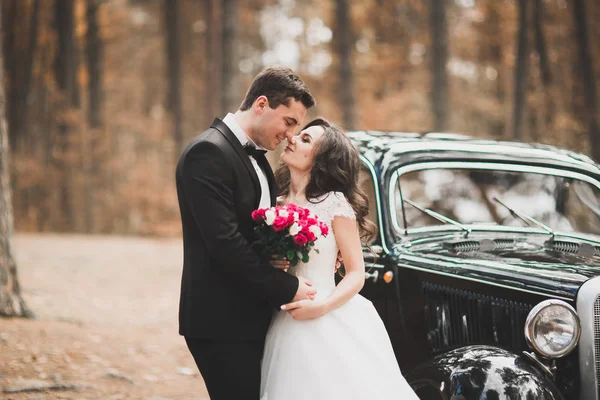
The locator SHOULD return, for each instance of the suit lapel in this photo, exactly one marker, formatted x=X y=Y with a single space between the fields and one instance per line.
x=237 y=146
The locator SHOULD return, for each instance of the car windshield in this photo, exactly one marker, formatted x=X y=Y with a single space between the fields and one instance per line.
x=467 y=196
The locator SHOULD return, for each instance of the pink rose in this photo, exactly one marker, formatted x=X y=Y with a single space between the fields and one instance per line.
x=324 y=229
x=311 y=236
x=300 y=239
x=304 y=228
x=280 y=223
x=256 y=215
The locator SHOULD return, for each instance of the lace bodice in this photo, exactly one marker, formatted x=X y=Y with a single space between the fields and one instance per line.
x=320 y=269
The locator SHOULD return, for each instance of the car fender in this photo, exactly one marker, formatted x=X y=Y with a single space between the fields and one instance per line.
x=479 y=373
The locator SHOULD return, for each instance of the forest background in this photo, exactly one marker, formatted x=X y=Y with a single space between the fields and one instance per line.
x=101 y=96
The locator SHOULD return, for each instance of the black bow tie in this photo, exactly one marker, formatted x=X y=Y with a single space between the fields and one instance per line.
x=253 y=151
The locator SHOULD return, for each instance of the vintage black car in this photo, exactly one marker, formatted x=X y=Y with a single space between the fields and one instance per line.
x=486 y=265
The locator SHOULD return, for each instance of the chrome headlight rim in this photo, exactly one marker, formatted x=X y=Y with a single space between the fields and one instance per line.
x=529 y=328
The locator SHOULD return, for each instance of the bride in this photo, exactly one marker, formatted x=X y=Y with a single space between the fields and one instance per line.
x=335 y=346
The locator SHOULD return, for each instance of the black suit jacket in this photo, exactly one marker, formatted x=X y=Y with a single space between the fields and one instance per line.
x=227 y=290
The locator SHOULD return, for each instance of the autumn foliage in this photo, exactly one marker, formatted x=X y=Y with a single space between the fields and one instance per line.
x=98 y=107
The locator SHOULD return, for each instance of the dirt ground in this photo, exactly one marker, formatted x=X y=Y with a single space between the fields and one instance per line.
x=106 y=324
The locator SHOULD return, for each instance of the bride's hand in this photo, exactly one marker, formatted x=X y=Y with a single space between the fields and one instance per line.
x=305 y=309
x=283 y=264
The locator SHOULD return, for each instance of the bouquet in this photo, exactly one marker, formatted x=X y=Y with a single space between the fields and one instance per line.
x=288 y=231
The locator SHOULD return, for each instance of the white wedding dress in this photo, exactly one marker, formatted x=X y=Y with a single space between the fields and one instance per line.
x=345 y=354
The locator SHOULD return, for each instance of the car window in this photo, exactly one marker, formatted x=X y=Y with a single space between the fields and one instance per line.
x=467 y=196
x=367 y=185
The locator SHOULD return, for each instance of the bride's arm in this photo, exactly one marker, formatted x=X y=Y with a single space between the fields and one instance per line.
x=348 y=240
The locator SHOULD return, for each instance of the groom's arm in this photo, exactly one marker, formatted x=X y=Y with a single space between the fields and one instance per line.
x=208 y=186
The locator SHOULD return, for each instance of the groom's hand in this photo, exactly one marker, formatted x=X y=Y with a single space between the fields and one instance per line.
x=305 y=309
x=305 y=290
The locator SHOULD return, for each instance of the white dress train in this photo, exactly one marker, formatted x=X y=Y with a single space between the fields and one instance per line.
x=345 y=354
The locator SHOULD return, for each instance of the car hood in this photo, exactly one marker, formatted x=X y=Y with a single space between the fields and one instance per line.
x=522 y=263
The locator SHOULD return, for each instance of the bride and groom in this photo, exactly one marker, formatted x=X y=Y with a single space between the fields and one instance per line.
x=256 y=328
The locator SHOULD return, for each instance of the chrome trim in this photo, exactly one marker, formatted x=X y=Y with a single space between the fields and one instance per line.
x=456 y=276
x=589 y=361
x=587 y=237
x=546 y=368
x=371 y=168
x=528 y=328
x=374 y=276
x=419 y=166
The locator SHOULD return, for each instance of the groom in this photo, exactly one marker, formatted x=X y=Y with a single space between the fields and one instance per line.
x=228 y=293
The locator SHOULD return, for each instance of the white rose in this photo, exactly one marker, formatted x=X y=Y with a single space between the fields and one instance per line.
x=294 y=229
x=296 y=216
x=316 y=230
x=269 y=216
x=283 y=213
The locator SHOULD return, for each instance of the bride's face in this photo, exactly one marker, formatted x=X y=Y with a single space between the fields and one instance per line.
x=299 y=153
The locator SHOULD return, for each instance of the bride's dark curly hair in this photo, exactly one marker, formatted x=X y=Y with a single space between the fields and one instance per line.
x=336 y=168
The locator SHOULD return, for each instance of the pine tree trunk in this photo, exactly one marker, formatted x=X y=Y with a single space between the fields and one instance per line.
x=586 y=68
x=343 y=43
x=94 y=51
x=229 y=74
x=542 y=50
x=11 y=302
x=22 y=85
x=213 y=60
x=521 y=72
x=173 y=54
x=9 y=21
x=95 y=57
x=64 y=72
x=439 y=33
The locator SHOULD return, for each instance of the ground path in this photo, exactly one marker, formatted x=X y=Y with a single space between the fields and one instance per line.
x=107 y=321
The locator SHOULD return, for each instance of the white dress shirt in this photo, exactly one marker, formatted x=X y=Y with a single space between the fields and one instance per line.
x=265 y=195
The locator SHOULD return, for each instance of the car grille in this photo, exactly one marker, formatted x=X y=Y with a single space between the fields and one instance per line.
x=459 y=317
x=597 y=342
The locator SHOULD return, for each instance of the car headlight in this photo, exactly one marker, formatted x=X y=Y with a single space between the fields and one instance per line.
x=552 y=328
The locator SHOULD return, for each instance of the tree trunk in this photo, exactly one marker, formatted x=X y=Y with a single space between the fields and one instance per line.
x=94 y=50
x=9 y=20
x=439 y=91
x=11 y=302
x=23 y=104
x=95 y=57
x=542 y=50
x=343 y=43
x=63 y=68
x=540 y=41
x=229 y=75
x=491 y=49
x=586 y=68
x=173 y=53
x=214 y=60
x=521 y=72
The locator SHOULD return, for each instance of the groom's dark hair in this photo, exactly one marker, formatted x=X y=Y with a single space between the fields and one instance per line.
x=278 y=84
